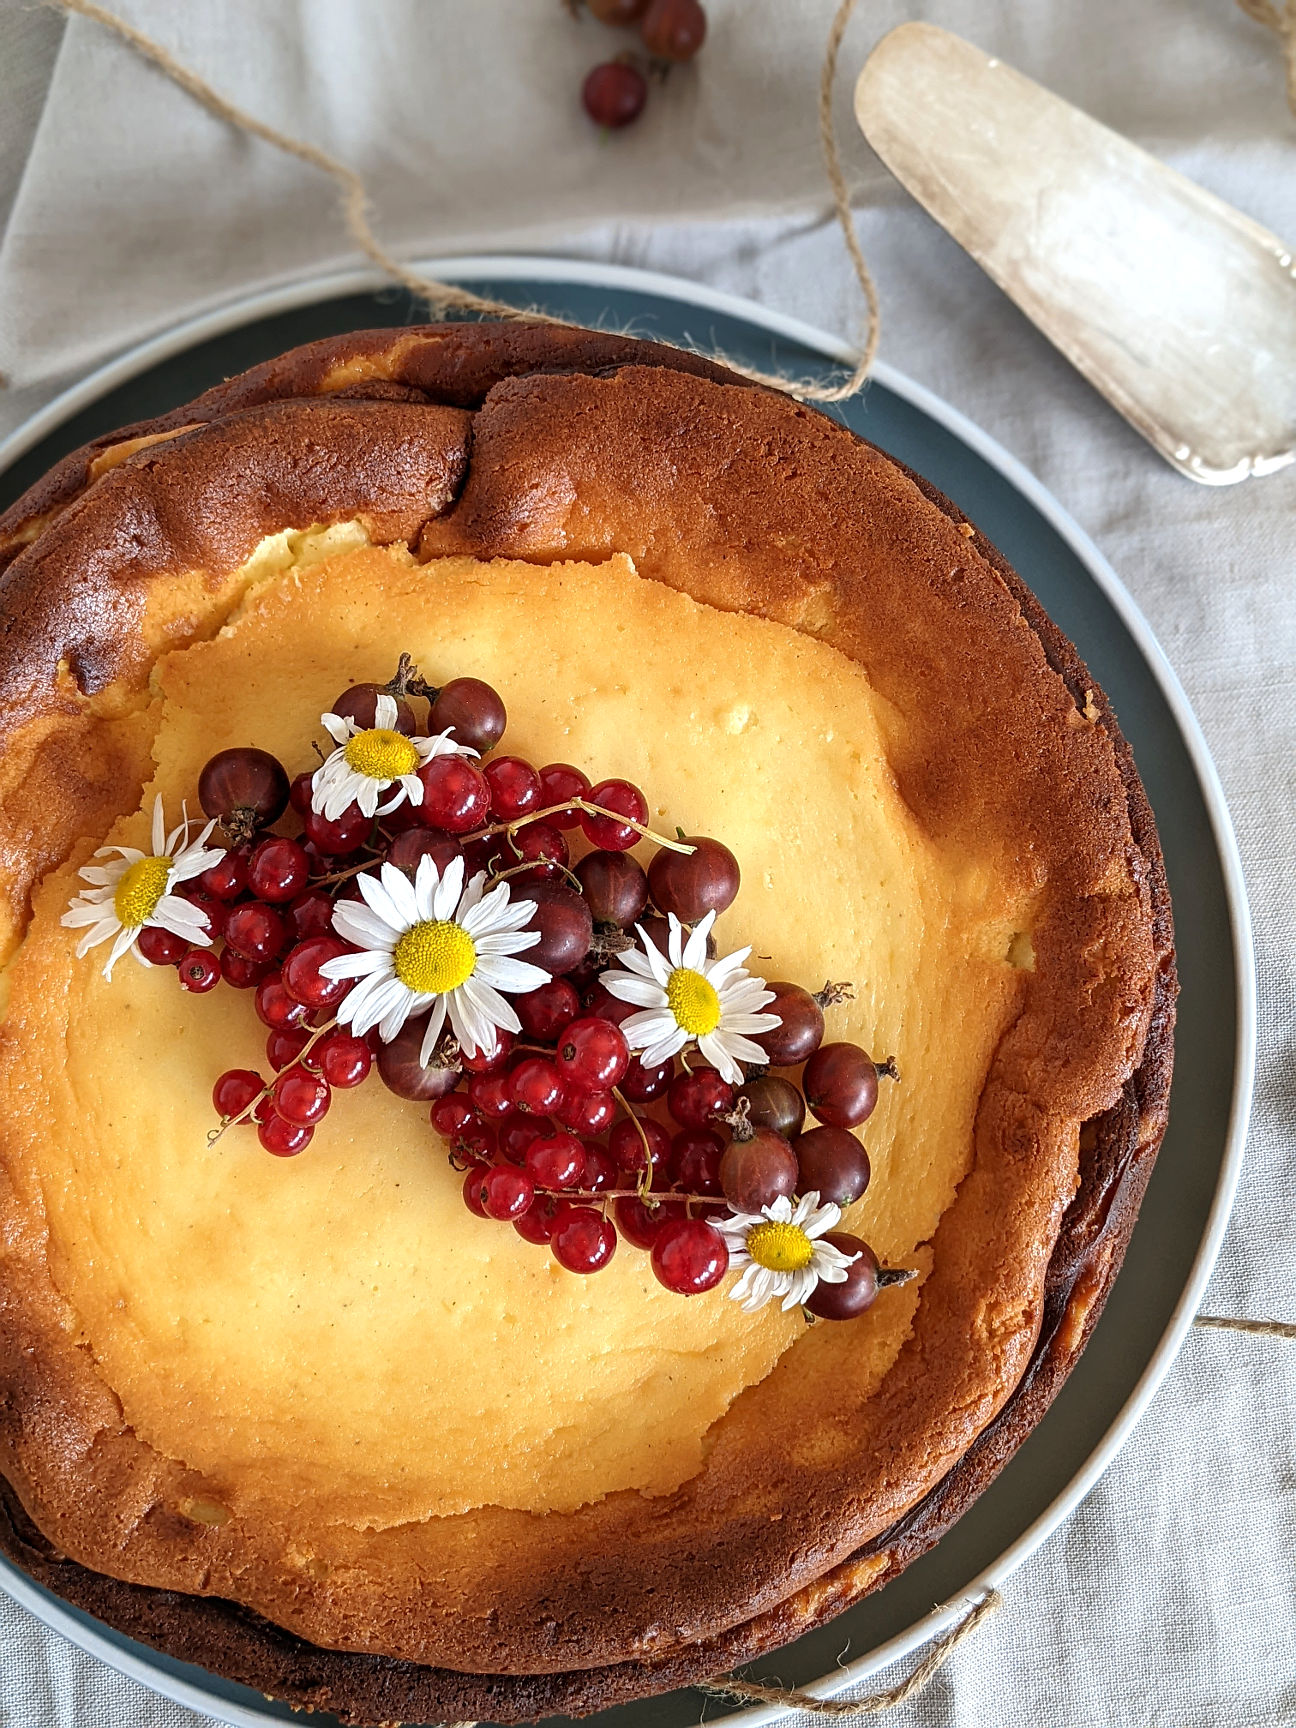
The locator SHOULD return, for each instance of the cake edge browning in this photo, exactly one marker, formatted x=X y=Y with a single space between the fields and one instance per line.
x=1121 y=1147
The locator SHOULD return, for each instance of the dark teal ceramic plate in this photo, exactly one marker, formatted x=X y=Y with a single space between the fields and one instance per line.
x=1187 y=1204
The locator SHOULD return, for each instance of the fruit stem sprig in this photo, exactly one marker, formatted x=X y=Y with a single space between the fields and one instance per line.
x=250 y=1107
x=590 y=809
x=646 y=1175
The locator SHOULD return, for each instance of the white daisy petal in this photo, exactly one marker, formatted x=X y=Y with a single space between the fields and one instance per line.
x=386 y=712
x=432 y=1035
x=640 y=991
x=373 y=890
x=695 y=949
x=338 y=728
x=447 y=893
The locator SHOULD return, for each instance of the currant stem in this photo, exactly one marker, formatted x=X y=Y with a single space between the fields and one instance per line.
x=887 y=1070
x=645 y=1180
x=250 y=1106
x=590 y=809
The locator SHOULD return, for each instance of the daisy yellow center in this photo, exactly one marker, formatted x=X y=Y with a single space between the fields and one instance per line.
x=693 y=1001
x=780 y=1247
x=434 y=957
x=379 y=754
x=140 y=889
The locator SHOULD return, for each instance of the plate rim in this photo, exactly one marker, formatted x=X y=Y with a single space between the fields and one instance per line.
x=266 y=302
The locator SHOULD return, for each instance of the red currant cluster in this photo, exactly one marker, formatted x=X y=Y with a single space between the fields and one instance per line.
x=672 y=31
x=560 y=1130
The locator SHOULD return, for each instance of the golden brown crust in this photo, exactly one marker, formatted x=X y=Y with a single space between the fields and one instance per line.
x=785 y=514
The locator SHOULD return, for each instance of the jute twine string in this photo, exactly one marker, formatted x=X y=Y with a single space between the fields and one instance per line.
x=1280 y=17
x=444 y=296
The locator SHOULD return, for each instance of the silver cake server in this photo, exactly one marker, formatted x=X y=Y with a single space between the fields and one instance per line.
x=1174 y=305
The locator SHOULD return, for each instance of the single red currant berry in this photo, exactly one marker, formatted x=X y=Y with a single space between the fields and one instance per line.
x=856 y=1292
x=283 y=1048
x=583 y=1240
x=277 y=870
x=256 y=932
x=591 y=1113
x=452 y=1113
x=593 y=1054
x=559 y=783
x=556 y=1161
x=841 y=1085
x=311 y=914
x=215 y=912
x=300 y=1096
x=199 y=971
x=537 y=1223
x=515 y=787
x=600 y=1172
x=641 y=1224
x=491 y=1094
x=489 y=1061
x=536 y=1085
x=506 y=1193
x=626 y=1144
x=606 y=1006
x=695 y=1161
x=546 y=1011
x=228 y=879
x=302 y=976
x=476 y=1140
x=160 y=947
x=542 y=846
x=689 y=1256
x=518 y=1132
x=614 y=93
x=275 y=1007
x=335 y=839
x=235 y=1090
x=240 y=972
x=343 y=1059
x=472 y=1190
x=472 y=711
x=623 y=799
x=641 y=1085
x=282 y=1137
x=456 y=795
x=695 y=1099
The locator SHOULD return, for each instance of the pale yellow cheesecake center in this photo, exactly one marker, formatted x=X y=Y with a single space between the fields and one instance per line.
x=338 y=1325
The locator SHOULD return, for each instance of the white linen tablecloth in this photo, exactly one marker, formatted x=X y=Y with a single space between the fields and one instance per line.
x=1168 y=1598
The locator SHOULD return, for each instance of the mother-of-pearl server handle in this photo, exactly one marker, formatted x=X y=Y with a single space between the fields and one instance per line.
x=1174 y=305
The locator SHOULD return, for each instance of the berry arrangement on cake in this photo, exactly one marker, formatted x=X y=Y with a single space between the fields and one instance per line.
x=442 y=768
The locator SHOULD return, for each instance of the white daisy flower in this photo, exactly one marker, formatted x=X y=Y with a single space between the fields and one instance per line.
x=686 y=997
x=779 y=1248
x=370 y=760
x=133 y=893
x=434 y=943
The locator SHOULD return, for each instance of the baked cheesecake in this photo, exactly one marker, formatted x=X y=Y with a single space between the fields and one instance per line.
x=314 y=1422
